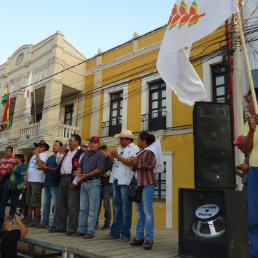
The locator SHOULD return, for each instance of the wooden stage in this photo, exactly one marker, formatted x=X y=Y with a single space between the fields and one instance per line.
x=41 y=243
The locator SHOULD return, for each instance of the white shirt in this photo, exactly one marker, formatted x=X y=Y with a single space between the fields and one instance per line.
x=34 y=174
x=120 y=171
x=67 y=165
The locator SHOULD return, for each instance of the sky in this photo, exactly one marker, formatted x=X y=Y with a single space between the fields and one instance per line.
x=87 y=24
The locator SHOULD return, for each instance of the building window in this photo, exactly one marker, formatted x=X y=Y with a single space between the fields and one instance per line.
x=160 y=191
x=220 y=85
x=116 y=110
x=68 y=117
x=157 y=106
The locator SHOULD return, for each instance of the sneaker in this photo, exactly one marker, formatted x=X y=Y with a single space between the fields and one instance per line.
x=27 y=221
x=68 y=233
x=105 y=227
x=88 y=236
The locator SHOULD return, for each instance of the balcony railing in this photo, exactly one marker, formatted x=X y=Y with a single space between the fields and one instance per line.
x=4 y=136
x=154 y=121
x=65 y=131
x=110 y=129
x=30 y=130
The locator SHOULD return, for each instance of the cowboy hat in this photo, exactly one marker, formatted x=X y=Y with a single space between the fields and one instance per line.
x=125 y=134
x=42 y=143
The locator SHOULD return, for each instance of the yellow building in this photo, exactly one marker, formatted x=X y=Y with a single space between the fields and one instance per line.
x=123 y=90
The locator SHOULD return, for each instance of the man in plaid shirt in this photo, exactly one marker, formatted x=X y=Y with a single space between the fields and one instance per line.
x=7 y=162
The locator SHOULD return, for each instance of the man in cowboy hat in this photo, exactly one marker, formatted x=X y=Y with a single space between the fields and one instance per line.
x=36 y=178
x=121 y=177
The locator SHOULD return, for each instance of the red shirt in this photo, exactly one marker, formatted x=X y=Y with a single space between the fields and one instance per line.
x=6 y=162
x=145 y=165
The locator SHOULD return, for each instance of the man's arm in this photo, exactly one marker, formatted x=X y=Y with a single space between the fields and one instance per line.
x=92 y=173
x=38 y=160
x=247 y=144
x=125 y=161
x=23 y=228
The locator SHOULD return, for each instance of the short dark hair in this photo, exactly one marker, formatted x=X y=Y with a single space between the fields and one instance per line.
x=60 y=143
x=77 y=138
x=1 y=221
x=20 y=156
x=145 y=136
x=256 y=92
x=9 y=147
x=103 y=147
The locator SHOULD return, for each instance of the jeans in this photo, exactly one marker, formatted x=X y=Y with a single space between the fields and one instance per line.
x=89 y=205
x=105 y=195
x=6 y=195
x=145 y=215
x=50 y=192
x=67 y=205
x=122 y=210
x=252 y=201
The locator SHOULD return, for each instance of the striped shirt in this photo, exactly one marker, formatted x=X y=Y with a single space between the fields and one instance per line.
x=145 y=165
x=5 y=163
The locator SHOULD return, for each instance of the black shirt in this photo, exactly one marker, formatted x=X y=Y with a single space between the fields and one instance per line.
x=108 y=167
x=9 y=243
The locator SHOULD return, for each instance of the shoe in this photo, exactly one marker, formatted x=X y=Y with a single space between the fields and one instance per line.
x=96 y=227
x=136 y=242
x=88 y=236
x=105 y=227
x=108 y=237
x=54 y=230
x=68 y=233
x=121 y=239
x=78 y=234
x=147 y=245
x=42 y=226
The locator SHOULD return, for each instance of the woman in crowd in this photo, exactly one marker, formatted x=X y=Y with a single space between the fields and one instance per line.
x=144 y=165
x=14 y=186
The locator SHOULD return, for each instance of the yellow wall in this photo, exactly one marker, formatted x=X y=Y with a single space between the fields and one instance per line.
x=131 y=71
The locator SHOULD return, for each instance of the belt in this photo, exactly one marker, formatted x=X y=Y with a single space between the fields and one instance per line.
x=91 y=178
x=65 y=175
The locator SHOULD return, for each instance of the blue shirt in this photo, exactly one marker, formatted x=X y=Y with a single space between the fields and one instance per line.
x=91 y=161
x=52 y=178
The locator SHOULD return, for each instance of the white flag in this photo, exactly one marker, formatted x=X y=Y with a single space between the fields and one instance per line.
x=27 y=96
x=190 y=21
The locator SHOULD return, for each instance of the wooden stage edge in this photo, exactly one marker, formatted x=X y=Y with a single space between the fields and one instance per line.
x=41 y=243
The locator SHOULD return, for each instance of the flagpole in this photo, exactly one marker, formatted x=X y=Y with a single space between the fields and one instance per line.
x=247 y=63
x=34 y=98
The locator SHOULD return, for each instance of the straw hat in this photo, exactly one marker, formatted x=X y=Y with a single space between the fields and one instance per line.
x=84 y=143
x=125 y=134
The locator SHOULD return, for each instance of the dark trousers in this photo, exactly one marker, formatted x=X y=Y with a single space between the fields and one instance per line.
x=6 y=195
x=105 y=195
x=2 y=184
x=67 y=206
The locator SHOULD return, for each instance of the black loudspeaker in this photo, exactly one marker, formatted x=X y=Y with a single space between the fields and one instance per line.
x=217 y=229
x=213 y=146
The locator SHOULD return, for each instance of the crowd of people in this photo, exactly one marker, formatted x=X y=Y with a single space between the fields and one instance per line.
x=77 y=180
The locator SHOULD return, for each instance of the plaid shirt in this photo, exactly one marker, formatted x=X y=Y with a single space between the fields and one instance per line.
x=145 y=165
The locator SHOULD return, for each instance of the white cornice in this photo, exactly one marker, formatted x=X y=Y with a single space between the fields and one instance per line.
x=124 y=58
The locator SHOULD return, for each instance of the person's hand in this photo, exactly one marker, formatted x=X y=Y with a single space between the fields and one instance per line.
x=256 y=119
x=42 y=167
x=243 y=167
x=114 y=153
x=77 y=172
x=72 y=186
x=133 y=160
x=83 y=177
x=252 y=123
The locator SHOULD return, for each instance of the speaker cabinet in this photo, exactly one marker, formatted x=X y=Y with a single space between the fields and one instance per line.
x=231 y=243
x=213 y=146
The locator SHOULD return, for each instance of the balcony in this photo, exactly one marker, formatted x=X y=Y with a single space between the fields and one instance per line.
x=154 y=121
x=30 y=130
x=65 y=131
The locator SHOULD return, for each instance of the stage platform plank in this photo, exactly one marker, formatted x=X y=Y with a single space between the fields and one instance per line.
x=41 y=242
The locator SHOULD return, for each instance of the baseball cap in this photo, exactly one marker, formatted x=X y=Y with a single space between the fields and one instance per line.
x=94 y=139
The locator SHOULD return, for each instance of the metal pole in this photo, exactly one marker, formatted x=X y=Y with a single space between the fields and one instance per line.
x=34 y=96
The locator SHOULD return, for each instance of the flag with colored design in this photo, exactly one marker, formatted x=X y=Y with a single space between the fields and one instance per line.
x=27 y=96
x=6 y=104
x=190 y=20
